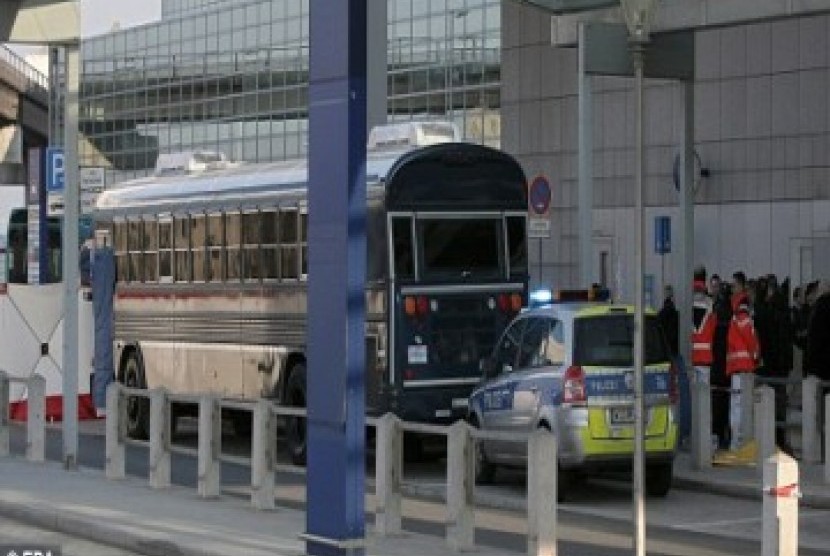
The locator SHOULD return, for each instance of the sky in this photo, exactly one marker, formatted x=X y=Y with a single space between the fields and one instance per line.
x=99 y=16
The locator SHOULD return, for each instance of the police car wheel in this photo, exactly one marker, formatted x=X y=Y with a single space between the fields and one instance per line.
x=658 y=479
x=485 y=471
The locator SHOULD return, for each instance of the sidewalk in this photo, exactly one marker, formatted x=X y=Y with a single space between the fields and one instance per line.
x=130 y=515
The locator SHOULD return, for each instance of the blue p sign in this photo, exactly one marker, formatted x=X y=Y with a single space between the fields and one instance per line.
x=55 y=170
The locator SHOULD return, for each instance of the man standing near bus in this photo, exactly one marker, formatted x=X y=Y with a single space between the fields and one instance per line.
x=741 y=356
x=703 y=327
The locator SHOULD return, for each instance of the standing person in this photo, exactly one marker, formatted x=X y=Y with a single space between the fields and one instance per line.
x=722 y=309
x=669 y=319
x=714 y=286
x=739 y=292
x=817 y=352
x=741 y=359
x=703 y=327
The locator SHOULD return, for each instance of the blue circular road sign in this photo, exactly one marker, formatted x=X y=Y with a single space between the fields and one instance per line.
x=539 y=195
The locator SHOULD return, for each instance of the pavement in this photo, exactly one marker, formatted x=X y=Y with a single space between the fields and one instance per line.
x=130 y=515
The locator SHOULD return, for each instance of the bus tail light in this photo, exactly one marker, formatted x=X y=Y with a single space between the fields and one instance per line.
x=504 y=302
x=573 y=385
x=410 y=306
x=516 y=302
x=422 y=305
x=409 y=374
x=674 y=391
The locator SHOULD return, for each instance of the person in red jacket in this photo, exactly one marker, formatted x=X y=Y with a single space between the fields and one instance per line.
x=741 y=359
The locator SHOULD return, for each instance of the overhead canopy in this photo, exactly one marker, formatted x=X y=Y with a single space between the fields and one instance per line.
x=40 y=21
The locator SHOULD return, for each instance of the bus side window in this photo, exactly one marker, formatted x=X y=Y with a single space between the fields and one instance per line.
x=181 y=249
x=233 y=240
x=165 y=250
x=268 y=240
x=215 y=243
x=198 y=239
x=304 y=244
x=121 y=252
x=289 y=258
x=517 y=245
x=151 y=246
x=135 y=238
x=251 y=232
x=402 y=247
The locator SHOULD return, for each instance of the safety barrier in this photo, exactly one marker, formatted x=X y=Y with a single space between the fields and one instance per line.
x=35 y=419
x=461 y=461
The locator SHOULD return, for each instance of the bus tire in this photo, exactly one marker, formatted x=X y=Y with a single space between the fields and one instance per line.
x=138 y=408
x=295 y=396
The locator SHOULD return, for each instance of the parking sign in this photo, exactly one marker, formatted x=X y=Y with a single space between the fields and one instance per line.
x=55 y=170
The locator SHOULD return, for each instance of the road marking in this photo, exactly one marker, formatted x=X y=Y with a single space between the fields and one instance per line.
x=745 y=520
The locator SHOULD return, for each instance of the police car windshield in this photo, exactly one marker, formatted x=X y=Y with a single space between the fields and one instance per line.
x=460 y=247
x=608 y=340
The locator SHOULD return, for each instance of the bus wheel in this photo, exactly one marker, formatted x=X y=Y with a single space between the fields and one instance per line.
x=295 y=396
x=138 y=408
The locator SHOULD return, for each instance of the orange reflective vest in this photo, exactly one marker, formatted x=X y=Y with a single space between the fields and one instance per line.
x=703 y=332
x=742 y=345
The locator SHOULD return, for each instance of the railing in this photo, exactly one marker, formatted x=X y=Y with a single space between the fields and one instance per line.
x=461 y=449
x=24 y=68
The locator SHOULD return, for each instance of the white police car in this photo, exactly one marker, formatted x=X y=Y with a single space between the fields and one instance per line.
x=567 y=367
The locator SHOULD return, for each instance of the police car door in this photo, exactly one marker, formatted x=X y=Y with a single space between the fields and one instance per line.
x=533 y=366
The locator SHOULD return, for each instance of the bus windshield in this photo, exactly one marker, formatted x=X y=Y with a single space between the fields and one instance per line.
x=460 y=247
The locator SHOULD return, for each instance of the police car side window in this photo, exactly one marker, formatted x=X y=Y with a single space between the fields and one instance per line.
x=509 y=346
x=555 y=345
x=534 y=342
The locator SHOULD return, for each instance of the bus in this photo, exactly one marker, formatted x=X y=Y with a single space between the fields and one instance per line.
x=212 y=267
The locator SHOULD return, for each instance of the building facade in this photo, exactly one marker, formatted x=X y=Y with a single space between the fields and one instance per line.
x=232 y=76
x=762 y=129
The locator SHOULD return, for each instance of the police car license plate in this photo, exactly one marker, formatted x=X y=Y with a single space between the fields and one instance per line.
x=621 y=415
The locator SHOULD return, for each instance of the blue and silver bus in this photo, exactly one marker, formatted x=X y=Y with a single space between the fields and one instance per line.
x=212 y=265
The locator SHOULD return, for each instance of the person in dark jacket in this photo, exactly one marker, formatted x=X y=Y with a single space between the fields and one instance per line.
x=669 y=319
x=817 y=354
x=722 y=308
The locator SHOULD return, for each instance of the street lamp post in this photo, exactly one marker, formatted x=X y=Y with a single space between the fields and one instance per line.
x=638 y=15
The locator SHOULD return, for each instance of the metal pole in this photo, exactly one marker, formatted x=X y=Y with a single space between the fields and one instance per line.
x=639 y=316
x=585 y=192
x=69 y=247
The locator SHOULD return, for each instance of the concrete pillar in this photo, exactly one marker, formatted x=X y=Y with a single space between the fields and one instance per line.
x=781 y=491
x=701 y=425
x=4 y=414
x=388 y=475
x=159 y=439
x=210 y=444
x=115 y=434
x=810 y=430
x=541 y=494
x=263 y=456
x=460 y=487
x=36 y=419
x=747 y=406
x=764 y=424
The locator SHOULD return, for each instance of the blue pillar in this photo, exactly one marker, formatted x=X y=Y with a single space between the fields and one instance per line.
x=335 y=518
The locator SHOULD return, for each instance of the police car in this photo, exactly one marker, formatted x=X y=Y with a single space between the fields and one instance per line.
x=567 y=367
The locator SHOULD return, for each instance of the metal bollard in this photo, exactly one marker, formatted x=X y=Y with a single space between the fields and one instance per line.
x=810 y=437
x=4 y=414
x=781 y=493
x=36 y=419
x=159 y=439
x=388 y=474
x=460 y=488
x=747 y=383
x=263 y=456
x=210 y=443
x=764 y=424
x=115 y=433
x=702 y=426
x=541 y=494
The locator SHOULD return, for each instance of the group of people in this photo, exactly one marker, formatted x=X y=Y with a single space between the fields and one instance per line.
x=749 y=326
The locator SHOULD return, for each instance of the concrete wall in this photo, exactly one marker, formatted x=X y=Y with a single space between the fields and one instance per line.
x=762 y=127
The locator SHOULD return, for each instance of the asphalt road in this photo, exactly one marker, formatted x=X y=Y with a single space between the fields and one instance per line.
x=22 y=535
x=595 y=520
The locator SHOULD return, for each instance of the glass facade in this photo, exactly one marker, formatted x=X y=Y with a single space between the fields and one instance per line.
x=233 y=77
